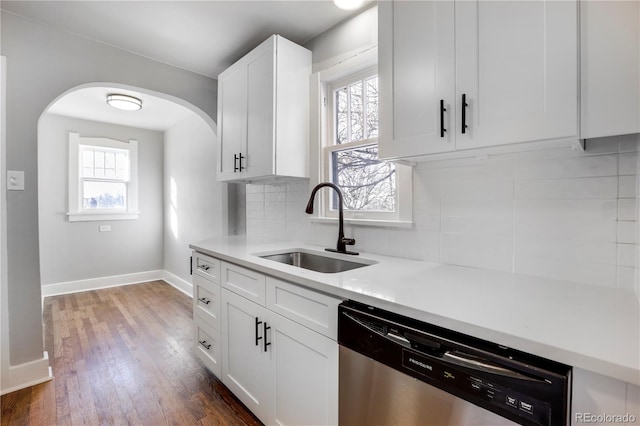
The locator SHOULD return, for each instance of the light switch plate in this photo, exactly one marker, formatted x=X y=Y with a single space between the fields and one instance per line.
x=15 y=180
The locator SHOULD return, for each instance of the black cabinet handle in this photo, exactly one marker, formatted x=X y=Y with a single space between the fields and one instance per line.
x=205 y=344
x=240 y=158
x=464 y=112
x=265 y=336
x=235 y=163
x=205 y=300
x=257 y=337
x=442 y=110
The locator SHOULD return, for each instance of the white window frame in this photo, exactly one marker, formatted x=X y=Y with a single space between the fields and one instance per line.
x=352 y=69
x=76 y=211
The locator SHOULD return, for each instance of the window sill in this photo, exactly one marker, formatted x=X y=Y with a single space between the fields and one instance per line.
x=366 y=222
x=95 y=217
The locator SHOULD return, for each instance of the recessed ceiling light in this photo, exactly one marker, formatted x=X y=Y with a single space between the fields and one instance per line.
x=124 y=102
x=348 y=4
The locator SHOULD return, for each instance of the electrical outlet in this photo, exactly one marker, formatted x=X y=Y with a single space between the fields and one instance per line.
x=15 y=180
x=104 y=228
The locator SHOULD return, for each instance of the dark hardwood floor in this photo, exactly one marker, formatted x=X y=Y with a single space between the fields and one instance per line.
x=123 y=356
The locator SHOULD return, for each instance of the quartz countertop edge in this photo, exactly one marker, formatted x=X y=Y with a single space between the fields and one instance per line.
x=589 y=327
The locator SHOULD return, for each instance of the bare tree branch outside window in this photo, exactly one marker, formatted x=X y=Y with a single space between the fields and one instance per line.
x=367 y=183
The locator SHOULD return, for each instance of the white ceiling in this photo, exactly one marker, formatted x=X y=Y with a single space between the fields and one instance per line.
x=90 y=103
x=201 y=36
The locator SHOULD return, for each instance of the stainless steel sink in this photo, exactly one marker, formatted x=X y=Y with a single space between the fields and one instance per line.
x=317 y=261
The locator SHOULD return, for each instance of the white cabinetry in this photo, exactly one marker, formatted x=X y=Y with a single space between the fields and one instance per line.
x=278 y=346
x=263 y=113
x=610 y=68
x=460 y=75
x=206 y=310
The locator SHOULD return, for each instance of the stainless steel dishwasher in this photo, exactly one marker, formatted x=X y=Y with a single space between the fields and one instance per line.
x=396 y=370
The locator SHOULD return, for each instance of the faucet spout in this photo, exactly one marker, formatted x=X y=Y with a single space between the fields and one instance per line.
x=341 y=246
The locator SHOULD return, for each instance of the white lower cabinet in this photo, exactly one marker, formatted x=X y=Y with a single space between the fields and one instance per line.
x=272 y=343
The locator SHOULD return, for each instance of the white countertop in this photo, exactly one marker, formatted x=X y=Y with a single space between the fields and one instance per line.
x=589 y=327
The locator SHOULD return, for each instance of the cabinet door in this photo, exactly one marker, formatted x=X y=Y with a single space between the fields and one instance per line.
x=243 y=358
x=261 y=111
x=516 y=62
x=303 y=375
x=232 y=119
x=610 y=68
x=416 y=69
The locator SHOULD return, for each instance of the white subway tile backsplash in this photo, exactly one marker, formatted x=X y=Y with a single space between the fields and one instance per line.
x=567 y=209
x=595 y=230
x=627 y=232
x=558 y=248
x=556 y=213
x=627 y=254
x=627 y=186
x=627 y=209
x=628 y=163
x=586 y=166
x=477 y=259
x=626 y=277
x=496 y=225
x=601 y=274
x=569 y=189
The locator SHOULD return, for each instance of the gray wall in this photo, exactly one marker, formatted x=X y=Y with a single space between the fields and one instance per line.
x=71 y=251
x=42 y=63
x=195 y=204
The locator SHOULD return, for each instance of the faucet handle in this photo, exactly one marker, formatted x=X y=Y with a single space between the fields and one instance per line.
x=349 y=241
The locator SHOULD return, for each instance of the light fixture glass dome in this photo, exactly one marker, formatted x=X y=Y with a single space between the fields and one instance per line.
x=124 y=102
x=348 y=4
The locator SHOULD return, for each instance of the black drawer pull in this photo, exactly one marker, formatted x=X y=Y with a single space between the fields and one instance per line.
x=205 y=300
x=235 y=163
x=265 y=336
x=204 y=267
x=442 y=110
x=258 y=337
x=206 y=345
x=464 y=112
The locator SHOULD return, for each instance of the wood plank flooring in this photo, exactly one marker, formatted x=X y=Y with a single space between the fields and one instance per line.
x=123 y=356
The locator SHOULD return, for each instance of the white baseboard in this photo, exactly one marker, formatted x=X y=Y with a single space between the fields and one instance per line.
x=175 y=281
x=25 y=375
x=98 y=283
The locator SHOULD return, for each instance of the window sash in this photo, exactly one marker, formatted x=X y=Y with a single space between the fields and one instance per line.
x=331 y=146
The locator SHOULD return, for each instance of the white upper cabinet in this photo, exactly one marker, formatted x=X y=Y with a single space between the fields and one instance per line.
x=514 y=63
x=416 y=74
x=610 y=68
x=517 y=68
x=263 y=104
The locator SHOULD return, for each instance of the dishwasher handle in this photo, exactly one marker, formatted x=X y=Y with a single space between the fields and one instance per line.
x=474 y=363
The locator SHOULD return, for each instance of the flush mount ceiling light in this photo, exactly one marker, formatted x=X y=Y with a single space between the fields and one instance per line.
x=348 y=4
x=124 y=102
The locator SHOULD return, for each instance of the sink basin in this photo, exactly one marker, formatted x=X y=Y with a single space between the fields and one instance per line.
x=316 y=261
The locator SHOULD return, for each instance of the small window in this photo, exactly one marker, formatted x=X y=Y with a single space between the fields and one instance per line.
x=102 y=179
x=369 y=185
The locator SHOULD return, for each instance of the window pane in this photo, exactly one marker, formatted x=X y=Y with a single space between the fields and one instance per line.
x=357 y=113
x=367 y=183
x=372 y=107
x=110 y=164
x=122 y=166
x=342 y=116
x=87 y=163
x=99 y=164
x=104 y=195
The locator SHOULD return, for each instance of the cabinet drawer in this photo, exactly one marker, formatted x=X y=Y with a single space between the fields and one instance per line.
x=245 y=282
x=206 y=301
x=314 y=310
x=206 y=267
x=208 y=346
